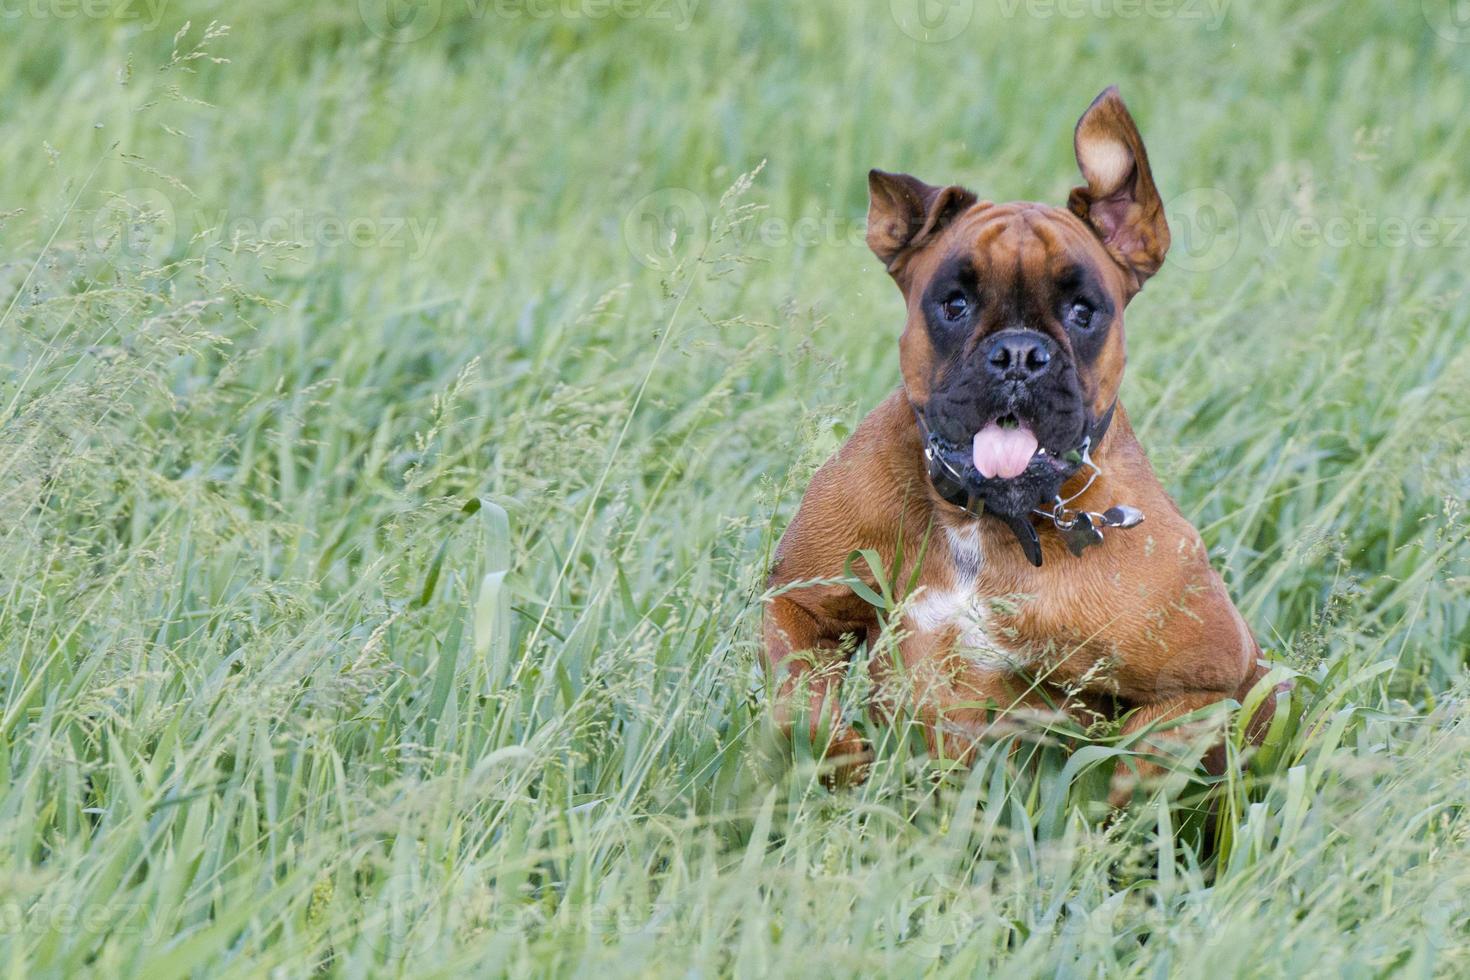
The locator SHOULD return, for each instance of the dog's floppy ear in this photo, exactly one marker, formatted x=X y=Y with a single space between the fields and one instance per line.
x=1120 y=201
x=904 y=212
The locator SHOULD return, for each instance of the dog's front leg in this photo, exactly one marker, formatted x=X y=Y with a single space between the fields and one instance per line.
x=1173 y=741
x=805 y=655
x=957 y=695
x=1169 y=742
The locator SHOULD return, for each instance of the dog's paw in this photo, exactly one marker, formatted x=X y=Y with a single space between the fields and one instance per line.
x=848 y=760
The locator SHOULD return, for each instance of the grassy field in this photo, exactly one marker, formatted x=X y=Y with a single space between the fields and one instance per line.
x=399 y=405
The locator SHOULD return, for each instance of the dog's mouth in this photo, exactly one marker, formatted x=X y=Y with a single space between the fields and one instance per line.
x=1006 y=472
x=1006 y=447
x=1005 y=465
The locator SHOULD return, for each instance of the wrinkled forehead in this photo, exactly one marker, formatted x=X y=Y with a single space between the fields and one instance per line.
x=1026 y=243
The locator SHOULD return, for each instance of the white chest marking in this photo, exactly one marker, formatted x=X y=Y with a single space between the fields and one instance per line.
x=937 y=609
x=962 y=609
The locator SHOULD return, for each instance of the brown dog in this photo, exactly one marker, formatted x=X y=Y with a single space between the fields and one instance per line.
x=1012 y=357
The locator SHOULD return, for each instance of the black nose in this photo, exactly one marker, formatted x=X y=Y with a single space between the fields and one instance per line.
x=1017 y=355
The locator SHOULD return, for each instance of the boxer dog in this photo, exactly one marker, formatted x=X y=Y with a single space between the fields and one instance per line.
x=1050 y=570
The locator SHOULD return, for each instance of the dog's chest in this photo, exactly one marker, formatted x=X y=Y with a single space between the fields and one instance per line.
x=961 y=610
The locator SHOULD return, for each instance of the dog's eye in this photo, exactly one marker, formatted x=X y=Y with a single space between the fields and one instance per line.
x=954 y=307
x=1080 y=315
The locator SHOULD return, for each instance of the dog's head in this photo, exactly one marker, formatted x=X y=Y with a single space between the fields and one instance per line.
x=1013 y=345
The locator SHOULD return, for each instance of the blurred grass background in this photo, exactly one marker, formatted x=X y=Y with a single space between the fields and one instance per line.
x=398 y=404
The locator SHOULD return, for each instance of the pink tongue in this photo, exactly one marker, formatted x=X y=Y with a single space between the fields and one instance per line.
x=1003 y=453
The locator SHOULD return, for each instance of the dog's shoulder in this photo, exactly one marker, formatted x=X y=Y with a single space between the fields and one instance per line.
x=860 y=496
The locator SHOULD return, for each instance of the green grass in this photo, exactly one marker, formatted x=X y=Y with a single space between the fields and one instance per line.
x=385 y=528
